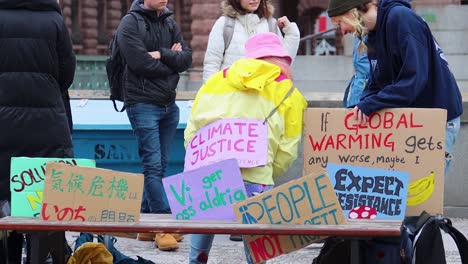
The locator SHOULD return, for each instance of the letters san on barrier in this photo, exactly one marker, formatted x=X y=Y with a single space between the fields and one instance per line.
x=309 y=200
x=27 y=177
x=73 y=193
x=206 y=193
x=402 y=139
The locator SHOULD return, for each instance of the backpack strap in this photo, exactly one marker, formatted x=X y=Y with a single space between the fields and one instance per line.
x=462 y=244
x=142 y=27
x=228 y=31
x=276 y=107
x=272 y=25
x=230 y=22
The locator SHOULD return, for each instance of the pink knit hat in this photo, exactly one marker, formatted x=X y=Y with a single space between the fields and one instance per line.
x=265 y=45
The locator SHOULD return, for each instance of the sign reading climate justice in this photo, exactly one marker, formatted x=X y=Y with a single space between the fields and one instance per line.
x=401 y=139
x=369 y=193
x=206 y=193
x=241 y=139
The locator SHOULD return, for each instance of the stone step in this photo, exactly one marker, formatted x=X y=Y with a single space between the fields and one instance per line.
x=448 y=17
x=453 y=42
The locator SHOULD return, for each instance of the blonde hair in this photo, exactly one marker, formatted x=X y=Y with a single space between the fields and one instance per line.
x=353 y=19
x=282 y=63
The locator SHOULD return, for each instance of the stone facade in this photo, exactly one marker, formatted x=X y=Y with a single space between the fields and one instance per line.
x=92 y=22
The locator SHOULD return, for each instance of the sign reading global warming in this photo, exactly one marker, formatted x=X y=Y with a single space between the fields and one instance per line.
x=27 y=182
x=241 y=139
x=369 y=193
x=309 y=200
x=80 y=194
x=401 y=139
x=206 y=193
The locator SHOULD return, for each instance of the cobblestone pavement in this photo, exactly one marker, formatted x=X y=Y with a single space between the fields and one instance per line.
x=226 y=252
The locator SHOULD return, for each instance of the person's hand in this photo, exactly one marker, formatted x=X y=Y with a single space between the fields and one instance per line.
x=176 y=47
x=283 y=22
x=359 y=116
x=155 y=54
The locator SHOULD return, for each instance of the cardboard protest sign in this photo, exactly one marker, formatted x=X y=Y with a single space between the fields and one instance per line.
x=403 y=139
x=82 y=194
x=243 y=139
x=206 y=193
x=369 y=193
x=309 y=200
x=27 y=182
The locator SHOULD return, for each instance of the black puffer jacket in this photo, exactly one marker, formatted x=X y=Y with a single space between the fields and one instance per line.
x=37 y=66
x=148 y=80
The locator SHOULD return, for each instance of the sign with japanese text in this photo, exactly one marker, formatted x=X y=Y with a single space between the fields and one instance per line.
x=369 y=193
x=401 y=139
x=243 y=139
x=27 y=182
x=206 y=193
x=309 y=200
x=90 y=194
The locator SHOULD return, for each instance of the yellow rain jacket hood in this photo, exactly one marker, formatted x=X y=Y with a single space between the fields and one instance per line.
x=252 y=88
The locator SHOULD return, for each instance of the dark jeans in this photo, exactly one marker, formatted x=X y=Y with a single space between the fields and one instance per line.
x=154 y=127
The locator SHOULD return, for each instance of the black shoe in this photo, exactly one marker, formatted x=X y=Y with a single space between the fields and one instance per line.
x=235 y=237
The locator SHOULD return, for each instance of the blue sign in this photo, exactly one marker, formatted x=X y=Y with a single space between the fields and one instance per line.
x=369 y=193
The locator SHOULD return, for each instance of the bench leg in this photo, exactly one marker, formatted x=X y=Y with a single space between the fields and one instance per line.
x=36 y=253
x=5 y=245
x=40 y=244
x=355 y=251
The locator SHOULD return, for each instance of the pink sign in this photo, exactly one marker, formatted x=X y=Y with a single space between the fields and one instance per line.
x=245 y=140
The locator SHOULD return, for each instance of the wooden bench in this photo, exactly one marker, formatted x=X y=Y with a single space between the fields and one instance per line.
x=52 y=231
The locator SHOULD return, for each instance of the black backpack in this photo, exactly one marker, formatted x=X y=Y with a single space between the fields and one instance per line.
x=115 y=64
x=420 y=243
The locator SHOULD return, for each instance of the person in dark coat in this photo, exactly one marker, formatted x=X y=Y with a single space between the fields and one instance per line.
x=408 y=67
x=155 y=53
x=37 y=67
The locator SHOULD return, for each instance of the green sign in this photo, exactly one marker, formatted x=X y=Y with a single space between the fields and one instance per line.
x=27 y=182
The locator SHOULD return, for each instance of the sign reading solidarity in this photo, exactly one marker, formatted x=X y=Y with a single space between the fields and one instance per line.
x=80 y=194
x=309 y=200
x=402 y=139
x=27 y=182
x=206 y=193
x=243 y=139
x=368 y=193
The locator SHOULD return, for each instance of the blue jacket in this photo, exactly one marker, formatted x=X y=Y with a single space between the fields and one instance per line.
x=359 y=80
x=408 y=68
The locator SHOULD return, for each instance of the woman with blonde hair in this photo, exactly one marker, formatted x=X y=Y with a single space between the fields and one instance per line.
x=349 y=22
x=409 y=68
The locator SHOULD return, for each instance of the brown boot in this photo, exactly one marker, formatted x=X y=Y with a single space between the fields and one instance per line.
x=145 y=236
x=177 y=237
x=165 y=242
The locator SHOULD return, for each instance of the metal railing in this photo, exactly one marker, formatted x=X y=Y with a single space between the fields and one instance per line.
x=309 y=39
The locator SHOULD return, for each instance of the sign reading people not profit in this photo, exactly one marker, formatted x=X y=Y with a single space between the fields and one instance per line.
x=242 y=139
x=80 y=194
x=403 y=139
x=369 y=193
x=206 y=193
x=27 y=182
x=309 y=200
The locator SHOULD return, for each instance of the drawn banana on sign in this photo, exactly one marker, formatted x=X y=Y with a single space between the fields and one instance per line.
x=420 y=190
